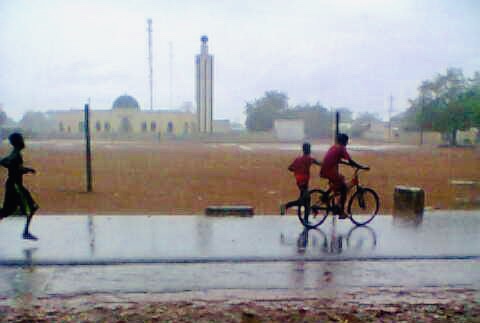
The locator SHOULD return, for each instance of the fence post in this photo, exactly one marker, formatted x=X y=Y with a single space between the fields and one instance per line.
x=88 y=153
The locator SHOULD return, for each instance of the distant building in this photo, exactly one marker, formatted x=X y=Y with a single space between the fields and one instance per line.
x=375 y=130
x=125 y=117
x=289 y=129
x=221 y=126
x=204 y=88
x=469 y=136
x=236 y=126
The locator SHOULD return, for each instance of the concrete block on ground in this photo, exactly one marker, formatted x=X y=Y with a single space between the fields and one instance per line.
x=228 y=210
x=408 y=201
x=466 y=192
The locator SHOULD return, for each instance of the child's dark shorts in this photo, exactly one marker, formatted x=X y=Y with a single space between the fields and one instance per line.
x=17 y=196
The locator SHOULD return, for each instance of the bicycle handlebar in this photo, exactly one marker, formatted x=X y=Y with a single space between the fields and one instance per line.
x=358 y=169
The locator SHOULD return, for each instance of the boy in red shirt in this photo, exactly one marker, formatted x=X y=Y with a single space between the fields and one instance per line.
x=301 y=169
x=330 y=171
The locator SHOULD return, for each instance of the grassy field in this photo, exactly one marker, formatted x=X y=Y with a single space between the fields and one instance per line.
x=184 y=178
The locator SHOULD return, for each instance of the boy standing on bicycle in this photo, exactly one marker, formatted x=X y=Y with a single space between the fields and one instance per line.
x=329 y=170
x=301 y=169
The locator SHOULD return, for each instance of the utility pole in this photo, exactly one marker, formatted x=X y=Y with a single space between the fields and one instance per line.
x=88 y=154
x=390 y=110
x=422 y=119
x=170 y=69
x=150 y=61
x=333 y=123
x=337 y=124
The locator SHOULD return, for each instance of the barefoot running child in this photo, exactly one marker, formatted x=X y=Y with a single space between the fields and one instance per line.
x=301 y=170
x=16 y=195
x=329 y=170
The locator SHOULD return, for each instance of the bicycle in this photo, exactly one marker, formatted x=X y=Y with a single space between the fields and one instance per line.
x=362 y=206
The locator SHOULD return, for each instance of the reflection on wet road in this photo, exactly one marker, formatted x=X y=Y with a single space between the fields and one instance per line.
x=358 y=239
x=171 y=254
x=101 y=240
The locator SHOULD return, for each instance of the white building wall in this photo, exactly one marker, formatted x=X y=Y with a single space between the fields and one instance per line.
x=289 y=130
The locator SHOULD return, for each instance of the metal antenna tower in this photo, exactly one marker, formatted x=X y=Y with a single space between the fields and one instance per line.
x=150 y=61
x=170 y=69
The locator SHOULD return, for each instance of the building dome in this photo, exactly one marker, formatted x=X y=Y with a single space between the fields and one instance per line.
x=126 y=102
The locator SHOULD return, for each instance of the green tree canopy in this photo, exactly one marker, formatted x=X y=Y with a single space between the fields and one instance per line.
x=346 y=115
x=317 y=119
x=448 y=103
x=363 y=123
x=261 y=112
x=3 y=117
x=36 y=123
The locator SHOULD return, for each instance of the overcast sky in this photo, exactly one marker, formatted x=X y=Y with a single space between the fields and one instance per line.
x=56 y=54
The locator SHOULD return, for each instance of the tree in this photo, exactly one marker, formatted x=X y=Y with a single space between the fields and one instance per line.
x=472 y=99
x=317 y=119
x=451 y=118
x=3 y=123
x=346 y=115
x=366 y=117
x=363 y=123
x=447 y=103
x=36 y=123
x=262 y=112
x=3 y=117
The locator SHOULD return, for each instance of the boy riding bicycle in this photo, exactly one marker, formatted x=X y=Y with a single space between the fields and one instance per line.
x=330 y=171
x=301 y=169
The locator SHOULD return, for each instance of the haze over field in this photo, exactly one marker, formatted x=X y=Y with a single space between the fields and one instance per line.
x=56 y=54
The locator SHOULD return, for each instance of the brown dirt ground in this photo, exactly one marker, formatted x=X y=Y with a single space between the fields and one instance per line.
x=184 y=178
x=368 y=305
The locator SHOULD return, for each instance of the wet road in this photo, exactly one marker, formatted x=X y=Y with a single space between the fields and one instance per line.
x=299 y=276
x=90 y=240
x=123 y=254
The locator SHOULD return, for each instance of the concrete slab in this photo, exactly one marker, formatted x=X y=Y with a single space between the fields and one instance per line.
x=102 y=240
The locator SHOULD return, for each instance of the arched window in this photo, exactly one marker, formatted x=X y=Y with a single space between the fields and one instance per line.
x=170 y=127
x=98 y=126
x=80 y=127
x=69 y=129
x=153 y=126
x=185 y=128
x=106 y=126
x=125 y=125
x=144 y=126
x=61 y=127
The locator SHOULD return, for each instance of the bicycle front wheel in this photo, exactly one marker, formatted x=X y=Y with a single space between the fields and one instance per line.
x=317 y=212
x=363 y=206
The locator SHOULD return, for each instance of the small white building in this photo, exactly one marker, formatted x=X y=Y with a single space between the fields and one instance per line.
x=289 y=129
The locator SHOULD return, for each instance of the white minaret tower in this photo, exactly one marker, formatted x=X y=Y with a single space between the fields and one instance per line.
x=204 y=88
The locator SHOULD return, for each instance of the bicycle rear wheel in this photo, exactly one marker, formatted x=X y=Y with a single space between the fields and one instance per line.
x=318 y=211
x=363 y=206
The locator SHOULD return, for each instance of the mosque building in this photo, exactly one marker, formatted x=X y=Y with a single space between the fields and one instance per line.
x=126 y=117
